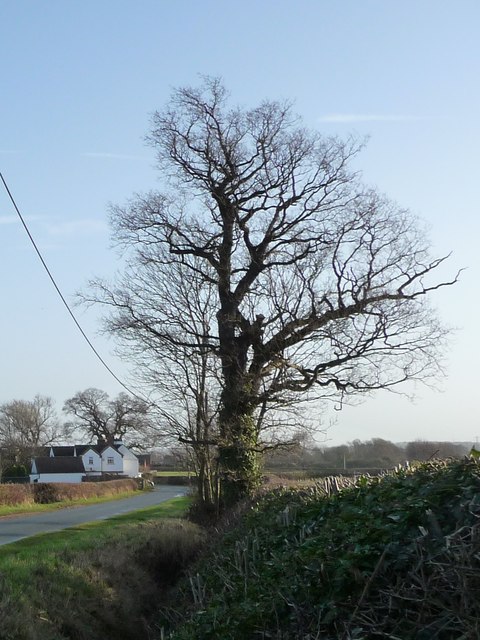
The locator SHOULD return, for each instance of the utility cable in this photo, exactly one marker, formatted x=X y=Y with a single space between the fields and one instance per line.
x=62 y=297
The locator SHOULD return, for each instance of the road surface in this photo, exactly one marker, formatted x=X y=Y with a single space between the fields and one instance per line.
x=18 y=527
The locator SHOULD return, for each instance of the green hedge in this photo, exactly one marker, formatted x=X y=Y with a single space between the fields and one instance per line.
x=391 y=557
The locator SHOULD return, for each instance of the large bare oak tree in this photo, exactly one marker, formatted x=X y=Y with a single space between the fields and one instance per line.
x=98 y=417
x=265 y=255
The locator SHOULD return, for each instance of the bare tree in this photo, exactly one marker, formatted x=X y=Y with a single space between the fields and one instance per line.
x=186 y=373
x=26 y=425
x=97 y=416
x=315 y=285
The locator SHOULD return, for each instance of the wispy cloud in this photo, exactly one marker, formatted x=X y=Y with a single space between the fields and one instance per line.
x=349 y=118
x=82 y=227
x=15 y=219
x=111 y=156
x=8 y=219
x=53 y=226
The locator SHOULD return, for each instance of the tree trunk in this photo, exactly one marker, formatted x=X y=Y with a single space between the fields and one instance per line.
x=205 y=477
x=239 y=464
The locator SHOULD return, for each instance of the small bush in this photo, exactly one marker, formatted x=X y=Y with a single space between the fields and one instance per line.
x=45 y=493
x=16 y=471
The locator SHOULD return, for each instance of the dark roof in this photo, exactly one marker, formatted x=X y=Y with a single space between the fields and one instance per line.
x=62 y=464
x=116 y=447
x=62 y=450
x=82 y=448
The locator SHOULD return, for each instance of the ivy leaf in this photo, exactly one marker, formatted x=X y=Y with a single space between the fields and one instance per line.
x=395 y=517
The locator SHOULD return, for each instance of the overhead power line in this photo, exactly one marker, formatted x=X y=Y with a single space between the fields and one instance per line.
x=62 y=297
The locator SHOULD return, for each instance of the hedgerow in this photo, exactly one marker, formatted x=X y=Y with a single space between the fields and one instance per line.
x=47 y=493
x=392 y=557
x=12 y=494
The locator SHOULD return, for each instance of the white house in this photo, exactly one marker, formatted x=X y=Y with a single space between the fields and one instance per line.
x=131 y=466
x=92 y=460
x=112 y=459
x=61 y=469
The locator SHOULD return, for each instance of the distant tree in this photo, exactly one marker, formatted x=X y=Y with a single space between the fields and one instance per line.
x=25 y=426
x=316 y=284
x=332 y=457
x=293 y=454
x=425 y=450
x=386 y=453
x=376 y=452
x=98 y=417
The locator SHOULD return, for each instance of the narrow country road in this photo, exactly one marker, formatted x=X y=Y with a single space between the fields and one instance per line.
x=16 y=528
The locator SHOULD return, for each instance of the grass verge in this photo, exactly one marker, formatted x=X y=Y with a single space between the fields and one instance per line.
x=173 y=474
x=97 y=581
x=82 y=536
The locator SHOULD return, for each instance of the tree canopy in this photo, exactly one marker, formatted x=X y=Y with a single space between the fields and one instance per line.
x=267 y=262
x=99 y=417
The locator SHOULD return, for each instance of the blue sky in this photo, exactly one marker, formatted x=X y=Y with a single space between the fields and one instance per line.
x=79 y=81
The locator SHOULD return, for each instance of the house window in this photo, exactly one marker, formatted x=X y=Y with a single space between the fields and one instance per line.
x=110 y=461
x=90 y=461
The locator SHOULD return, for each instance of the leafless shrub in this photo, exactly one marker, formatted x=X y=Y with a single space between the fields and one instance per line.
x=12 y=494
